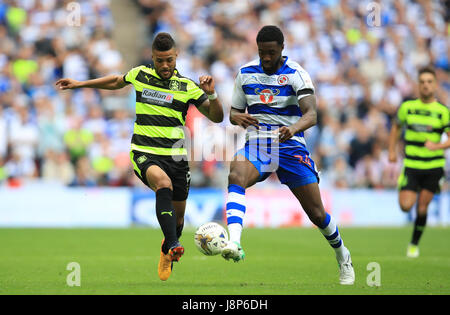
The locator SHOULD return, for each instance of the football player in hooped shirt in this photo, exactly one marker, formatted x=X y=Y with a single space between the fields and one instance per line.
x=278 y=95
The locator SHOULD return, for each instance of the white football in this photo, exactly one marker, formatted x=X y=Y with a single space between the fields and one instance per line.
x=210 y=238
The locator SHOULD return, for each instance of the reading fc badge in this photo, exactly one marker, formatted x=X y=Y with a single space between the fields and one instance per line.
x=283 y=79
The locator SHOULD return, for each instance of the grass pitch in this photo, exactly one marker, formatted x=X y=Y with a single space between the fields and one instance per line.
x=279 y=262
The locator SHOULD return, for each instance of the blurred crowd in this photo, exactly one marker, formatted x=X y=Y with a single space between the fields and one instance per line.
x=362 y=56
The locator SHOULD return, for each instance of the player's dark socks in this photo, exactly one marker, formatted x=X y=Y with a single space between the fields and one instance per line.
x=166 y=217
x=419 y=226
x=180 y=230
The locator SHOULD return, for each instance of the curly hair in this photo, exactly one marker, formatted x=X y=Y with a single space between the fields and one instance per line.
x=163 y=42
x=270 y=33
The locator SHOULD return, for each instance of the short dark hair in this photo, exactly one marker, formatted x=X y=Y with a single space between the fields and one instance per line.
x=270 y=33
x=427 y=69
x=163 y=42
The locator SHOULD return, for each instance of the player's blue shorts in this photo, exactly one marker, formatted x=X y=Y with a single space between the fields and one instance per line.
x=293 y=165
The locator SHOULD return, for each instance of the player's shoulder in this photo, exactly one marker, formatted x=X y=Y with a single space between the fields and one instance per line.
x=294 y=67
x=251 y=67
x=409 y=102
x=188 y=82
x=146 y=68
x=441 y=106
x=183 y=78
x=141 y=70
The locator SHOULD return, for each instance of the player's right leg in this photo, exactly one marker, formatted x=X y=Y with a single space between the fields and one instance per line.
x=243 y=174
x=407 y=199
x=171 y=249
x=180 y=209
x=408 y=185
x=151 y=170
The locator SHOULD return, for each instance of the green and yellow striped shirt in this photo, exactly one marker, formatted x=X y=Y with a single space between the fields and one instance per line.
x=423 y=121
x=161 y=108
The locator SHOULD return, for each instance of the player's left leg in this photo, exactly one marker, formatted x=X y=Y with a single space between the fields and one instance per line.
x=425 y=197
x=310 y=199
x=429 y=181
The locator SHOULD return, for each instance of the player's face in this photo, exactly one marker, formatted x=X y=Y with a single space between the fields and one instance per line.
x=270 y=55
x=427 y=85
x=165 y=62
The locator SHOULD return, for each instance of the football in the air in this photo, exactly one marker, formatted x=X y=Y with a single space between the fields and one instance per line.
x=210 y=238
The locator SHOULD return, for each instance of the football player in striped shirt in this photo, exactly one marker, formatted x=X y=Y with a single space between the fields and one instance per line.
x=424 y=120
x=157 y=147
x=274 y=100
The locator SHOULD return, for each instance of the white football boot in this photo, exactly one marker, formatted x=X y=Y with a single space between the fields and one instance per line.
x=234 y=251
x=346 y=272
x=412 y=251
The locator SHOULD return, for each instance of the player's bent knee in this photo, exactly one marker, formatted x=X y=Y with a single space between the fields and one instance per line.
x=317 y=217
x=405 y=207
x=163 y=183
x=234 y=178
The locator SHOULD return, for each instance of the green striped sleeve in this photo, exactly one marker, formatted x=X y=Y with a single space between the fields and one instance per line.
x=401 y=114
x=446 y=120
x=196 y=95
x=130 y=77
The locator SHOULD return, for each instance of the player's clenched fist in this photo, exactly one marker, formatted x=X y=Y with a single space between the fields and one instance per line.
x=67 y=84
x=207 y=84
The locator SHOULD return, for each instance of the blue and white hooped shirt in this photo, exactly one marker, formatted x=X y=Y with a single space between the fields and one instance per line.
x=272 y=99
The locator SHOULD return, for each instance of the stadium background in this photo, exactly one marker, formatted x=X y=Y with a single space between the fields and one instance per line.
x=64 y=156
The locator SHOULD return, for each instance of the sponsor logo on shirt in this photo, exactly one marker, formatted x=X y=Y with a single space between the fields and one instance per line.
x=264 y=80
x=157 y=97
x=266 y=96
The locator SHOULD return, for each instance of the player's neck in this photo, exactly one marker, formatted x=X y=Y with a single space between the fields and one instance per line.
x=275 y=69
x=428 y=100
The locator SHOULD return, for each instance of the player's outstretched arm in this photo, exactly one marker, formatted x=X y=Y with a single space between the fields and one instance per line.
x=110 y=82
x=309 y=118
x=211 y=108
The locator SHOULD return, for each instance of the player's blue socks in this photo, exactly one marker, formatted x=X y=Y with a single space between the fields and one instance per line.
x=330 y=230
x=235 y=211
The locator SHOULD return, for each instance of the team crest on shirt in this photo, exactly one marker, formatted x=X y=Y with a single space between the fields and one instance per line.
x=142 y=159
x=174 y=85
x=283 y=79
x=266 y=95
